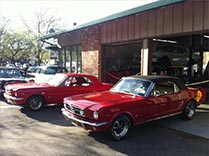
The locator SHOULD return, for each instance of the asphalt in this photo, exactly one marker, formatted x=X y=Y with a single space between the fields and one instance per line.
x=198 y=126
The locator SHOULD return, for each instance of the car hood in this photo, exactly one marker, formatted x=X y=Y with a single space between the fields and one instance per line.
x=27 y=86
x=101 y=99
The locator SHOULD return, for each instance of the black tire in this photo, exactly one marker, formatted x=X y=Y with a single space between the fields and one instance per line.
x=189 y=111
x=120 y=127
x=35 y=102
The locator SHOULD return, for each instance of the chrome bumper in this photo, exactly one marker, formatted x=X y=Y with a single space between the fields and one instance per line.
x=12 y=97
x=70 y=117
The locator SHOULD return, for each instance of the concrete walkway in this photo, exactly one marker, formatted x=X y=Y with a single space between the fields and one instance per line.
x=198 y=126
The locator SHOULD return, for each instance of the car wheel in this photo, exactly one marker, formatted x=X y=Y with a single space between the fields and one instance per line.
x=35 y=102
x=189 y=111
x=120 y=127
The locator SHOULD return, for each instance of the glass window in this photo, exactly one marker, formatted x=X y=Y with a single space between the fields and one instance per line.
x=132 y=86
x=50 y=71
x=74 y=58
x=162 y=88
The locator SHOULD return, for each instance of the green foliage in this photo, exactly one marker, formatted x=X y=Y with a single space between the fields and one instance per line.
x=26 y=44
x=16 y=45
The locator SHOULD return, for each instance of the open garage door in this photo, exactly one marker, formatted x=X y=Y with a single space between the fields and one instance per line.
x=121 y=60
x=185 y=57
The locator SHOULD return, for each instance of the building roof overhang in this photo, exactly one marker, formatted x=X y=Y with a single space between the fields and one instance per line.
x=156 y=4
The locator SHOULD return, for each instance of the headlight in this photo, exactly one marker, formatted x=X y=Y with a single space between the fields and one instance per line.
x=82 y=113
x=16 y=94
x=95 y=115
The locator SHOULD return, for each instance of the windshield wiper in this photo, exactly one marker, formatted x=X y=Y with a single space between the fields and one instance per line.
x=126 y=91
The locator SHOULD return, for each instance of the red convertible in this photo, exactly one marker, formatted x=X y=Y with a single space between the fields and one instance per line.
x=131 y=101
x=35 y=95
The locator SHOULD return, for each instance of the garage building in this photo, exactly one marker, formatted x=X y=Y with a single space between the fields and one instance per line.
x=166 y=37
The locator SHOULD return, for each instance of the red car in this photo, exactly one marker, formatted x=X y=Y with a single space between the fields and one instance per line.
x=131 y=101
x=34 y=95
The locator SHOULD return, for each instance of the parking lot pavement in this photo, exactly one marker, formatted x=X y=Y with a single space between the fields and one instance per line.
x=47 y=133
x=198 y=126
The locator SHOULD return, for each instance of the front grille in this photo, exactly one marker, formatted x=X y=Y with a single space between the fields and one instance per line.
x=74 y=110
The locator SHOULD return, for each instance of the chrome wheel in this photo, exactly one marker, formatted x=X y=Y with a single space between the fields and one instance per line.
x=189 y=111
x=35 y=103
x=120 y=127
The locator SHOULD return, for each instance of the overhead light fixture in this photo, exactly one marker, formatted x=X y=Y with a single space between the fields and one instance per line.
x=166 y=41
x=206 y=36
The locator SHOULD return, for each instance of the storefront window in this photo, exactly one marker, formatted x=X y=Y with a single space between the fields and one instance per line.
x=73 y=59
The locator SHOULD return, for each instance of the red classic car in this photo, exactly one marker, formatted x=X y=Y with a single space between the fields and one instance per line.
x=131 y=101
x=35 y=95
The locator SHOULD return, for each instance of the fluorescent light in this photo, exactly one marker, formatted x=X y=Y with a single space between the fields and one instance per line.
x=206 y=36
x=166 y=41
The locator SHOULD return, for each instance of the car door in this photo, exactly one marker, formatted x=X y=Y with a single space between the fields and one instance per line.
x=73 y=85
x=166 y=98
x=147 y=108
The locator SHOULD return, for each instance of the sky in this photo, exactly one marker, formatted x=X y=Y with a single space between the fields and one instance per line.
x=71 y=11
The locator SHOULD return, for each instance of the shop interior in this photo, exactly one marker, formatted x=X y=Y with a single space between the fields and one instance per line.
x=186 y=57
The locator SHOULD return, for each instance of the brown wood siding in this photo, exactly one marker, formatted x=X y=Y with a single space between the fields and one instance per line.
x=159 y=21
x=168 y=20
x=131 y=29
x=109 y=31
x=198 y=15
x=188 y=16
x=103 y=33
x=125 y=29
x=151 y=23
x=137 y=26
x=184 y=17
x=114 y=31
x=120 y=30
x=144 y=25
x=206 y=15
x=178 y=18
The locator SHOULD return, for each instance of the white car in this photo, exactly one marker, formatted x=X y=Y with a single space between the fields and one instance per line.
x=44 y=73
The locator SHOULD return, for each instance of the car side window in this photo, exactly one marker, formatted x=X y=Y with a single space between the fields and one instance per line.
x=37 y=70
x=78 y=81
x=83 y=81
x=162 y=88
x=50 y=71
x=87 y=82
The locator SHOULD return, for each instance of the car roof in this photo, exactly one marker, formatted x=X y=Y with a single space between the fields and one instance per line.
x=158 y=78
x=77 y=74
x=153 y=77
x=49 y=66
x=2 y=67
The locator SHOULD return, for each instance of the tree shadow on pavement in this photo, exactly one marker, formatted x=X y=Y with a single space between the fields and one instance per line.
x=50 y=114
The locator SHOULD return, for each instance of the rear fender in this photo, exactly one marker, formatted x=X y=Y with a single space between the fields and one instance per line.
x=198 y=94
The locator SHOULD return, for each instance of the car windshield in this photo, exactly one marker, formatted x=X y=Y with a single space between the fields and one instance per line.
x=57 y=79
x=132 y=86
x=9 y=73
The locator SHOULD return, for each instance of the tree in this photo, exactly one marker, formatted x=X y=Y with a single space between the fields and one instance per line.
x=3 y=26
x=16 y=45
x=43 y=22
x=4 y=23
